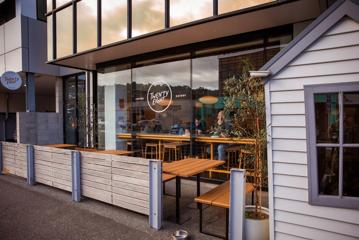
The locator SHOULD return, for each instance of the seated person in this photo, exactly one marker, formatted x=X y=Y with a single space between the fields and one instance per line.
x=221 y=130
x=197 y=126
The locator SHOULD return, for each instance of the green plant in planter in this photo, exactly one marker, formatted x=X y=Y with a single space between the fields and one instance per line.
x=248 y=122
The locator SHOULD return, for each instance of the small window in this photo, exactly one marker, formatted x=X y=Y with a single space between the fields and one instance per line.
x=41 y=10
x=7 y=10
x=333 y=144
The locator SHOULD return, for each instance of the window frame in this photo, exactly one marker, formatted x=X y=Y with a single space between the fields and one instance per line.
x=315 y=198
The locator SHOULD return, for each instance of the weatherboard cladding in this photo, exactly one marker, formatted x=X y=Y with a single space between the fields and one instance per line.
x=332 y=57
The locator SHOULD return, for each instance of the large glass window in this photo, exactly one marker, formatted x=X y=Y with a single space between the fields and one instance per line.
x=59 y=3
x=147 y=16
x=86 y=25
x=162 y=98
x=233 y=5
x=114 y=21
x=64 y=36
x=333 y=117
x=114 y=105
x=49 y=5
x=184 y=11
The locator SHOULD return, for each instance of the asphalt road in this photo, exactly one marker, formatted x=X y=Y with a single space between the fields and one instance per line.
x=25 y=214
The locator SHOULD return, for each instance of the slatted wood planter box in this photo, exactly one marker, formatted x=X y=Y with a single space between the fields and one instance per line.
x=119 y=180
x=14 y=158
x=53 y=167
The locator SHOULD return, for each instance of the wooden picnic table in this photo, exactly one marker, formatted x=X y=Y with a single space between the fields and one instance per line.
x=187 y=168
x=62 y=145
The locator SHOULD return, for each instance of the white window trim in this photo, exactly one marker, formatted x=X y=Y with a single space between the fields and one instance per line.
x=314 y=197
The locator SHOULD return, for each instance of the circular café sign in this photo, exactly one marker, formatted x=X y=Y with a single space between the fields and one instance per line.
x=11 y=80
x=159 y=96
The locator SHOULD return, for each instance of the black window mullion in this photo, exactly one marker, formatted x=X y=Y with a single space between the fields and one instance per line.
x=99 y=23
x=129 y=18
x=341 y=140
x=74 y=29
x=167 y=13
x=215 y=7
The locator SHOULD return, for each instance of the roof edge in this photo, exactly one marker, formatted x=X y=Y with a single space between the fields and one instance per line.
x=324 y=22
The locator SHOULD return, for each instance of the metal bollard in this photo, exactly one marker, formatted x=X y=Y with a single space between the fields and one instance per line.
x=30 y=165
x=237 y=204
x=155 y=170
x=76 y=176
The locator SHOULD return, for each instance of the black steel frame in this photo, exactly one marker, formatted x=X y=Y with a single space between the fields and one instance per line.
x=210 y=233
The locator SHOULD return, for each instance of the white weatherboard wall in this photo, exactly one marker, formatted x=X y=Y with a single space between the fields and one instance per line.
x=333 y=58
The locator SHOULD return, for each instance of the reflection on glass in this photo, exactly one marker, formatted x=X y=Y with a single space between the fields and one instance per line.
x=328 y=166
x=162 y=98
x=114 y=105
x=74 y=102
x=49 y=5
x=351 y=117
x=64 y=32
x=147 y=16
x=233 y=5
x=114 y=21
x=86 y=25
x=350 y=173
x=184 y=11
x=327 y=117
x=49 y=38
x=59 y=3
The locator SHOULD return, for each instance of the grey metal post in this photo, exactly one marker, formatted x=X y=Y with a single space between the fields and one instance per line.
x=1 y=160
x=76 y=176
x=30 y=165
x=30 y=93
x=237 y=203
x=155 y=170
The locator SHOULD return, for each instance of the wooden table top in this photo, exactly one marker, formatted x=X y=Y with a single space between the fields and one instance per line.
x=62 y=145
x=116 y=152
x=190 y=166
x=197 y=138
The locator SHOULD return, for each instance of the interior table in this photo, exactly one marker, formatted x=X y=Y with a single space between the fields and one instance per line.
x=62 y=145
x=187 y=168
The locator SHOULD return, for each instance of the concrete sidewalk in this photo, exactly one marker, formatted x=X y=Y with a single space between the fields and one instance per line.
x=41 y=212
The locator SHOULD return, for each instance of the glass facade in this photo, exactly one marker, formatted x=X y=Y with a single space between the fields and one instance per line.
x=114 y=21
x=64 y=36
x=86 y=25
x=174 y=102
x=184 y=11
x=147 y=16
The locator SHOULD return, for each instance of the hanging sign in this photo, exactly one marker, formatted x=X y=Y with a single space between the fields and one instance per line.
x=11 y=80
x=159 y=96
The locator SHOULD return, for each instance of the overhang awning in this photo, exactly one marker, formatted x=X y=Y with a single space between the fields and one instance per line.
x=268 y=16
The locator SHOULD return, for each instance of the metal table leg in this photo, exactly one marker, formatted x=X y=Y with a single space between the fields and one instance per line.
x=198 y=187
x=178 y=193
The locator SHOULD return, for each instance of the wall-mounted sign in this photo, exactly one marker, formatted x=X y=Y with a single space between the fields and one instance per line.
x=159 y=96
x=11 y=80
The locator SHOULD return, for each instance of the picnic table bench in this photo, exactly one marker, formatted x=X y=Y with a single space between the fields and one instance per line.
x=218 y=197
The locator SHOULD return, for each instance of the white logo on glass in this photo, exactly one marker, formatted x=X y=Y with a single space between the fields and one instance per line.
x=159 y=96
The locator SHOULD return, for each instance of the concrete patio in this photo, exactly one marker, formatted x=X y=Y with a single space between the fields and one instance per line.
x=42 y=212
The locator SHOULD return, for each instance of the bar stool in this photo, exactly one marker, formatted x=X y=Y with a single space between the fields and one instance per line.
x=152 y=150
x=233 y=153
x=175 y=149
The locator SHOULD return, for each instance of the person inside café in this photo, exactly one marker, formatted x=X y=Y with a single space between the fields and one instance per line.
x=221 y=129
